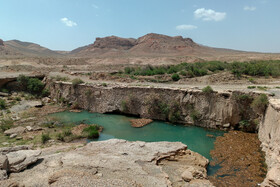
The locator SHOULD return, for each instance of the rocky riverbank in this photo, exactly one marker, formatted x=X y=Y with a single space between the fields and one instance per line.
x=127 y=164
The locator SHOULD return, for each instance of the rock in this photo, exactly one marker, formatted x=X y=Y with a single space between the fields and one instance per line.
x=29 y=128
x=3 y=175
x=4 y=94
x=140 y=122
x=272 y=177
x=46 y=100
x=187 y=176
x=19 y=138
x=111 y=163
x=13 y=135
x=16 y=130
x=6 y=150
x=227 y=125
x=3 y=162
x=19 y=160
x=5 y=143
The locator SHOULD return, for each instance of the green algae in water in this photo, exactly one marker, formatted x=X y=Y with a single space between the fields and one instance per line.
x=118 y=126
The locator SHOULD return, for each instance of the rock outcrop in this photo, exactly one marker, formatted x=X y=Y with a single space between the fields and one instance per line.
x=16 y=159
x=113 y=42
x=269 y=132
x=188 y=106
x=117 y=163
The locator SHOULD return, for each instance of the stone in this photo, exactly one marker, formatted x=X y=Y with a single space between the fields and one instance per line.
x=187 y=176
x=19 y=160
x=272 y=177
x=13 y=135
x=6 y=150
x=29 y=128
x=5 y=143
x=46 y=100
x=105 y=164
x=19 y=138
x=3 y=175
x=227 y=125
x=16 y=130
x=3 y=162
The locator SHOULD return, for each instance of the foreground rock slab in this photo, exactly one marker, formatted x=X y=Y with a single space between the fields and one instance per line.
x=117 y=163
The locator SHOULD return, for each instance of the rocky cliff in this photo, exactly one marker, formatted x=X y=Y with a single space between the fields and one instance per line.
x=269 y=135
x=211 y=110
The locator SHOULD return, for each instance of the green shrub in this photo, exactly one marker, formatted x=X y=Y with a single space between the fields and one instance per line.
x=195 y=115
x=4 y=90
x=104 y=84
x=45 y=93
x=91 y=132
x=123 y=106
x=3 y=104
x=60 y=78
x=260 y=103
x=175 y=77
x=35 y=86
x=45 y=138
x=67 y=133
x=60 y=137
x=23 y=81
x=77 y=81
x=207 y=90
x=242 y=97
x=251 y=87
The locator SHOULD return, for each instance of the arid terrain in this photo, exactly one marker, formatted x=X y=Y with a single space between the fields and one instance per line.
x=154 y=77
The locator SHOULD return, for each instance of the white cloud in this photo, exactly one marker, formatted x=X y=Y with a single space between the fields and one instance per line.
x=209 y=15
x=68 y=22
x=249 y=8
x=95 y=6
x=186 y=27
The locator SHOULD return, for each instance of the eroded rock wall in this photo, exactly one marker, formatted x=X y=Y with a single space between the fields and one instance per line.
x=211 y=110
x=269 y=135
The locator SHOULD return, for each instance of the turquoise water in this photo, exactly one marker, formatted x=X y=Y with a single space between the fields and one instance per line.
x=118 y=126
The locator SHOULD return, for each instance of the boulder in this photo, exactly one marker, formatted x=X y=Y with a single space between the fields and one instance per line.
x=6 y=150
x=16 y=130
x=29 y=128
x=46 y=100
x=13 y=135
x=187 y=176
x=19 y=160
x=3 y=162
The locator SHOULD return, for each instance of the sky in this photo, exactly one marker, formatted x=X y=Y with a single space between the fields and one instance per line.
x=250 y=25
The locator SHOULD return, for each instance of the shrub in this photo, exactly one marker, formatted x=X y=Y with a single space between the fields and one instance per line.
x=45 y=92
x=175 y=77
x=23 y=81
x=3 y=104
x=60 y=78
x=260 y=103
x=35 y=86
x=251 y=87
x=77 y=81
x=60 y=137
x=195 y=115
x=45 y=138
x=104 y=84
x=4 y=90
x=91 y=132
x=207 y=89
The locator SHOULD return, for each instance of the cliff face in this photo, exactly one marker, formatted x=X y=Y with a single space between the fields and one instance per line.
x=211 y=110
x=269 y=135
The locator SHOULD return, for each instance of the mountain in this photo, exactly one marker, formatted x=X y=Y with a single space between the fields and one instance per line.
x=29 y=49
x=149 y=45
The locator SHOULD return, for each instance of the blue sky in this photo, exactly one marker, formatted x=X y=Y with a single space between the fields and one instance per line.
x=251 y=25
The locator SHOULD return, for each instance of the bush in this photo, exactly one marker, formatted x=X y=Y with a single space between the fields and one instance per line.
x=251 y=87
x=77 y=81
x=23 y=81
x=195 y=115
x=3 y=104
x=207 y=89
x=260 y=103
x=175 y=77
x=45 y=93
x=45 y=138
x=91 y=132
